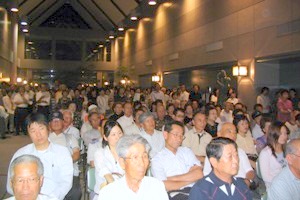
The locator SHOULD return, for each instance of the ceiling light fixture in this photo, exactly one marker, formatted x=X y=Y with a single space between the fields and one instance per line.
x=120 y=29
x=24 y=23
x=152 y=2
x=25 y=30
x=14 y=9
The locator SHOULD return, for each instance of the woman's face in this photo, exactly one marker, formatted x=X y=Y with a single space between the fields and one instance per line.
x=189 y=110
x=114 y=136
x=213 y=115
x=171 y=110
x=283 y=135
x=243 y=126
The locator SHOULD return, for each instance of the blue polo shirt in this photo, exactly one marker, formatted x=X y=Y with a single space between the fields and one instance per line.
x=211 y=187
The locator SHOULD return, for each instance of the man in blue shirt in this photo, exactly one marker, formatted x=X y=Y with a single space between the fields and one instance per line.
x=220 y=184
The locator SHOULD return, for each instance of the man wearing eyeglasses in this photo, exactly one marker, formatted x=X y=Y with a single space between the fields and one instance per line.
x=26 y=174
x=286 y=185
x=176 y=166
x=133 y=153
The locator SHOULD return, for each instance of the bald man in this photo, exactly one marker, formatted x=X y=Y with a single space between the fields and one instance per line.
x=286 y=184
x=246 y=172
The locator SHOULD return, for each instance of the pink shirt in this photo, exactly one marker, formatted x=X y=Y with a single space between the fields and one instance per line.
x=284 y=105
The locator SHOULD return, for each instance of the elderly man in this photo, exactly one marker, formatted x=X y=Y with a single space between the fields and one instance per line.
x=220 y=184
x=160 y=119
x=176 y=166
x=93 y=135
x=127 y=119
x=196 y=138
x=246 y=172
x=136 y=127
x=133 y=153
x=154 y=137
x=58 y=137
x=57 y=161
x=26 y=178
x=286 y=185
x=68 y=128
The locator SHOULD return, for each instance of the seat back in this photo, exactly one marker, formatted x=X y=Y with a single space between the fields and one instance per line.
x=91 y=179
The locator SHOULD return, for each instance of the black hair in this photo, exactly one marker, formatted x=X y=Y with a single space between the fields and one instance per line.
x=36 y=118
x=215 y=148
x=208 y=109
x=169 y=125
x=238 y=118
x=256 y=106
x=264 y=89
x=135 y=111
x=107 y=129
x=178 y=110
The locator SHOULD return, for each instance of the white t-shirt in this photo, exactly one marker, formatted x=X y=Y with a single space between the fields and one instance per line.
x=125 y=121
x=150 y=189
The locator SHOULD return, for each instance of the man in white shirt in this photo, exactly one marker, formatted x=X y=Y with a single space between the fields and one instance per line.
x=154 y=137
x=102 y=101
x=42 y=99
x=58 y=137
x=93 y=135
x=127 y=119
x=10 y=109
x=57 y=161
x=176 y=166
x=68 y=124
x=26 y=174
x=136 y=127
x=157 y=93
x=184 y=95
x=226 y=113
x=264 y=100
x=246 y=172
x=197 y=138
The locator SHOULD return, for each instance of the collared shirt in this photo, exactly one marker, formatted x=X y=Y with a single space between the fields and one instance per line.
x=91 y=136
x=166 y=163
x=125 y=121
x=285 y=186
x=156 y=141
x=150 y=188
x=257 y=132
x=246 y=143
x=71 y=130
x=105 y=163
x=157 y=95
x=244 y=165
x=197 y=141
x=226 y=116
x=46 y=97
x=39 y=197
x=68 y=141
x=133 y=129
x=18 y=98
x=58 y=169
x=211 y=187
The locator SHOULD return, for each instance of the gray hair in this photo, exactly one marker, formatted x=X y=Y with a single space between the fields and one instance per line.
x=291 y=147
x=127 y=141
x=144 y=116
x=26 y=158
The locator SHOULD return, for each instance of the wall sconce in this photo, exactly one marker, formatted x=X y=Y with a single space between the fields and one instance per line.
x=155 y=78
x=239 y=71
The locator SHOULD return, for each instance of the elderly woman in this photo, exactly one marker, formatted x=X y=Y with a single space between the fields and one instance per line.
x=133 y=153
x=106 y=158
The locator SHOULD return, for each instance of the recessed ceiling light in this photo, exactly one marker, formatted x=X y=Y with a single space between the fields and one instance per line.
x=14 y=9
x=120 y=29
x=133 y=18
x=152 y=2
x=23 y=23
x=25 y=30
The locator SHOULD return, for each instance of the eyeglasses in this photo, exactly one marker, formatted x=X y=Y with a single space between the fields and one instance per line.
x=136 y=158
x=296 y=155
x=30 y=181
x=182 y=137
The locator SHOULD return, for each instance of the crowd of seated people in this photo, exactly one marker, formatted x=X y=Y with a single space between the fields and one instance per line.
x=171 y=135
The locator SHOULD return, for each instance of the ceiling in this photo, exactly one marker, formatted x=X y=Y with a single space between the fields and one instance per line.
x=103 y=15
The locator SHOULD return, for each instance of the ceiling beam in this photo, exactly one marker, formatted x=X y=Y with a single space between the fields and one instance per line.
x=102 y=11
x=96 y=20
x=118 y=8
x=21 y=4
x=44 y=12
x=35 y=7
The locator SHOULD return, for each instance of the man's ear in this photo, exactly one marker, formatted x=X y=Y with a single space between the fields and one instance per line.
x=165 y=133
x=289 y=159
x=122 y=163
x=41 y=180
x=214 y=162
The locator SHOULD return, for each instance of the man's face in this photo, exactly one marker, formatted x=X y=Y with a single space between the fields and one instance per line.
x=293 y=159
x=137 y=115
x=228 y=164
x=136 y=162
x=174 y=138
x=161 y=112
x=118 y=109
x=149 y=125
x=38 y=134
x=95 y=121
x=67 y=119
x=199 y=122
x=179 y=116
x=56 y=125
x=128 y=109
x=26 y=182
x=228 y=130
x=213 y=115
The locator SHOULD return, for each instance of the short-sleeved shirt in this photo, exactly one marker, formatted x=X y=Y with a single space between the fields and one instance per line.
x=197 y=141
x=211 y=187
x=246 y=143
x=285 y=186
x=150 y=188
x=156 y=141
x=166 y=163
